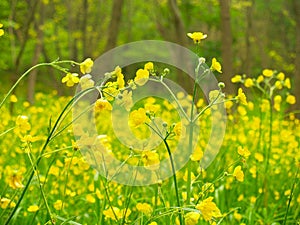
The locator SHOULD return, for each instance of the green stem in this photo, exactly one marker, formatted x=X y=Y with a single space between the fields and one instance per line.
x=291 y=196
x=191 y=132
x=40 y=184
x=174 y=178
x=268 y=154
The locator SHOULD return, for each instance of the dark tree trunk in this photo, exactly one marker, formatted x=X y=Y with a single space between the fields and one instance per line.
x=226 y=46
x=114 y=25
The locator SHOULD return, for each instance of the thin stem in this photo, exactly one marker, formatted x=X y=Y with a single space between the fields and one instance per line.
x=174 y=178
x=291 y=196
x=173 y=95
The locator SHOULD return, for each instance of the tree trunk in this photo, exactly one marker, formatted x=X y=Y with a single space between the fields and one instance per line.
x=226 y=48
x=296 y=87
x=248 y=52
x=37 y=53
x=114 y=25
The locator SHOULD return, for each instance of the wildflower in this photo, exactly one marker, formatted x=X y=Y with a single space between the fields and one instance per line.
x=259 y=157
x=1 y=30
x=278 y=84
x=86 y=82
x=208 y=187
x=280 y=76
x=191 y=218
x=291 y=99
x=22 y=124
x=277 y=102
x=151 y=160
x=197 y=36
x=13 y=98
x=138 y=117
x=287 y=83
x=33 y=208
x=179 y=129
x=142 y=77
x=244 y=152
x=144 y=208
x=242 y=97
x=152 y=223
x=208 y=209
x=149 y=66
x=248 y=82
x=6 y=203
x=102 y=104
x=216 y=66
x=90 y=198
x=70 y=79
x=236 y=79
x=197 y=154
x=115 y=213
x=267 y=72
x=237 y=215
x=110 y=91
x=86 y=66
x=125 y=99
x=260 y=79
x=238 y=174
x=58 y=204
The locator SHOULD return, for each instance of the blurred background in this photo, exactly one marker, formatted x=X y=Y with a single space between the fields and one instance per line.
x=246 y=36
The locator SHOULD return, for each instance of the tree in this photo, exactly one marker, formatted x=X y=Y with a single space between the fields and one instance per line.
x=226 y=48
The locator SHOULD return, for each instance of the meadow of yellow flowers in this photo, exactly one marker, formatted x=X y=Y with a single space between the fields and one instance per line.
x=254 y=179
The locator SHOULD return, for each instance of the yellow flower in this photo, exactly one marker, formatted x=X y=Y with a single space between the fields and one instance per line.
x=248 y=82
x=291 y=99
x=197 y=154
x=259 y=157
x=86 y=82
x=191 y=218
x=58 y=204
x=287 y=83
x=102 y=104
x=114 y=212
x=280 y=76
x=138 y=117
x=238 y=174
x=86 y=66
x=33 y=208
x=236 y=79
x=242 y=97
x=260 y=79
x=244 y=152
x=22 y=124
x=141 y=77
x=197 y=36
x=277 y=102
x=267 y=72
x=208 y=187
x=151 y=160
x=144 y=208
x=1 y=30
x=6 y=203
x=216 y=66
x=237 y=215
x=13 y=98
x=125 y=100
x=208 y=209
x=90 y=198
x=149 y=66
x=152 y=223
x=70 y=79
x=110 y=91
x=278 y=84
